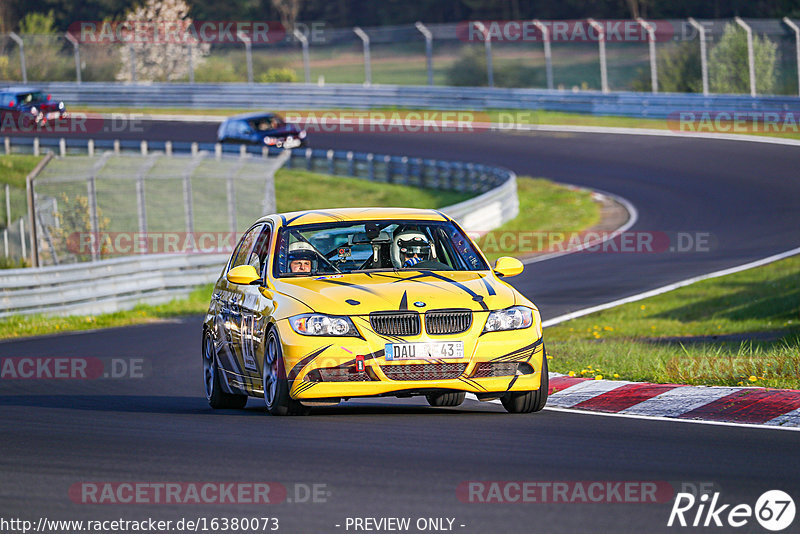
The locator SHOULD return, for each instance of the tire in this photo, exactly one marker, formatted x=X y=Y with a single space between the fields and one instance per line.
x=216 y=396
x=274 y=382
x=528 y=401
x=454 y=398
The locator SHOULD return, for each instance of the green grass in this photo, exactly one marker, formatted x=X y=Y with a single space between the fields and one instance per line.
x=544 y=206
x=300 y=190
x=652 y=340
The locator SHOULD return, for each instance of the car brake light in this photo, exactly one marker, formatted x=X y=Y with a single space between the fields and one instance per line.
x=49 y=97
x=11 y=104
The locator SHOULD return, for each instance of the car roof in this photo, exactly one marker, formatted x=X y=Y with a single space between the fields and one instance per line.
x=20 y=89
x=359 y=214
x=251 y=116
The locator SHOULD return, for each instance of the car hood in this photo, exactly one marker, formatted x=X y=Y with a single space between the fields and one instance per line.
x=362 y=293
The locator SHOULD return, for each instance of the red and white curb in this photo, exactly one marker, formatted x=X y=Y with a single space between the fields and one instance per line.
x=778 y=408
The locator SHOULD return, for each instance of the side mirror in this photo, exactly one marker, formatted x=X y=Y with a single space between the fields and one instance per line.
x=243 y=275
x=507 y=266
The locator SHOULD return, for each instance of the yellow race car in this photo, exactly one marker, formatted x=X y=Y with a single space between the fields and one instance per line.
x=316 y=307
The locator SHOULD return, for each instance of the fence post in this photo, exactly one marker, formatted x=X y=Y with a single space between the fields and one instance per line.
x=190 y=59
x=248 y=50
x=371 y=167
x=751 y=62
x=306 y=59
x=5 y=241
x=796 y=30
x=22 y=236
x=8 y=206
x=17 y=39
x=428 y=49
x=132 y=52
x=35 y=146
x=92 y=200
x=77 y=53
x=90 y=148
x=651 y=42
x=231 y=194
x=62 y=147
x=7 y=145
x=701 y=30
x=548 y=54
x=351 y=168
x=331 y=162
x=601 y=42
x=387 y=160
x=487 y=43
x=141 y=207
x=367 y=64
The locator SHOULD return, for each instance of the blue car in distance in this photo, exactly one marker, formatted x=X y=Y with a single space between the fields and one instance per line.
x=266 y=129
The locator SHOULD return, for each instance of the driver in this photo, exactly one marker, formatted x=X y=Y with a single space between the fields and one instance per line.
x=412 y=248
x=301 y=257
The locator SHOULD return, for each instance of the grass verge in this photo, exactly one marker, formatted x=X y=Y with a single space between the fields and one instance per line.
x=740 y=329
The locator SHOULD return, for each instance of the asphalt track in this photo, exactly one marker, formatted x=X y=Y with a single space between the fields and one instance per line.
x=402 y=458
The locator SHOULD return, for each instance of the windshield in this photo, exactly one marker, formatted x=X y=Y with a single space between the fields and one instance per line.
x=30 y=98
x=333 y=248
x=269 y=122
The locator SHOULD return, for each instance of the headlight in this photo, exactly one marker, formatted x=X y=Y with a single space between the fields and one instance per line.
x=60 y=105
x=514 y=318
x=316 y=324
x=270 y=141
x=34 y=111
x=302 y=134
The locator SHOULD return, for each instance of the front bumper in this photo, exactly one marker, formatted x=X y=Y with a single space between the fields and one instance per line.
x=310 y=362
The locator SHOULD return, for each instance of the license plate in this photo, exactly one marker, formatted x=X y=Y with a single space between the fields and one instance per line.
x=291 y=143
x=424 y=351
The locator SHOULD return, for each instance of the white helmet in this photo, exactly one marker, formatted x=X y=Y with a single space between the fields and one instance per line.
x=411 y=242
x=300 y=250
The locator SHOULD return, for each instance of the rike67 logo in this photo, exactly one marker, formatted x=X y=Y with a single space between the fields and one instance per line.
x=774 y=510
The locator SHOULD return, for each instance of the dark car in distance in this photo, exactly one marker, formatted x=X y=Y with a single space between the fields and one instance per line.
x=30 y=105
x=266 y=129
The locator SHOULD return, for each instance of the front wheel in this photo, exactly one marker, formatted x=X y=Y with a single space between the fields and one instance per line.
x=216 y=396
x=454 y=398
x=528 y=401
x=274 y=382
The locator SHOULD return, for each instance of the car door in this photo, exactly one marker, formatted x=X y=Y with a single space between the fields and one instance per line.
x=256 y=309
x=231 y=322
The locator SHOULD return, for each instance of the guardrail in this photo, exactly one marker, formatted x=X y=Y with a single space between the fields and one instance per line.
x=105 y=286
x=307 y=96
x=120 y=283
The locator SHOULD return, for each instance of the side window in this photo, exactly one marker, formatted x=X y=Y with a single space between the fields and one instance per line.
x=259 y=257
x=243 y=128
x=242 y=254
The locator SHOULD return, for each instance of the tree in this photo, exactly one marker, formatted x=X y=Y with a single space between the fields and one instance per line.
x=288 y=10
x=728 y=63
x=679 y=71
x=160 y=61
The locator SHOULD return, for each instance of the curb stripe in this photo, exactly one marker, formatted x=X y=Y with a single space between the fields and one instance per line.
x=624 y=397
x=680 y=400
x=586 y=390
x=748 y=406
x=562 y=382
